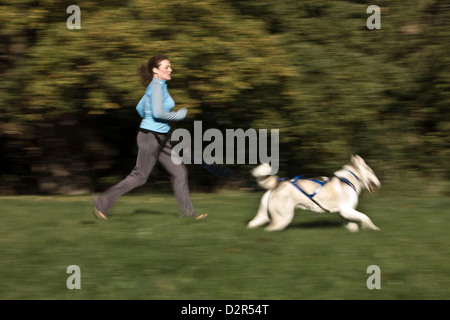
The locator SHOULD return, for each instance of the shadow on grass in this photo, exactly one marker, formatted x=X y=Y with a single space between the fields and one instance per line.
x=147 y=211
x=124 y=216
x=316 y=224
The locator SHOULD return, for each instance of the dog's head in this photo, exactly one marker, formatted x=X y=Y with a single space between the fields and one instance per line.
x=365 y=173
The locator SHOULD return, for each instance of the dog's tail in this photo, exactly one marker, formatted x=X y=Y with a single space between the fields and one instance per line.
x=265 y=177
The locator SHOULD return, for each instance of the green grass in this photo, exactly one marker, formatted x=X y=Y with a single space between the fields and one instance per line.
x=146 y=252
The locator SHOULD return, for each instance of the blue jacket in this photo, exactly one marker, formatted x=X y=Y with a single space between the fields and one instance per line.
x=155 y=108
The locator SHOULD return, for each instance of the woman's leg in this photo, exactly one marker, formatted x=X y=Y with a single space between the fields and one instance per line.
x=148 y=147
x=179 y=180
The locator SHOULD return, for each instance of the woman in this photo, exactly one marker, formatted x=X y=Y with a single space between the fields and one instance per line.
x=153 y=142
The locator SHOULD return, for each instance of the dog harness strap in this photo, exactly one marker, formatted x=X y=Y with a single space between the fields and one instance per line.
x=310 y=196
x=318 y=181
x=346 y=181
x=293 y=181
x=355 y=176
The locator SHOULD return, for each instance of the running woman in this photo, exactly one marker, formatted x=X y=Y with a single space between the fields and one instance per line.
x=155 y=109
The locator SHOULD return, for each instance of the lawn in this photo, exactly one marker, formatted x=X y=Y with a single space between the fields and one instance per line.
x=146 y=252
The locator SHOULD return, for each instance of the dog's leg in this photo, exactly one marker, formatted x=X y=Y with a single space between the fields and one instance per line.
x=262 y=216
x=355 y=216
x=282 y=213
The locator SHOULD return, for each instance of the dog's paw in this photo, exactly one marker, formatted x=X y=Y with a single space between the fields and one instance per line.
x=271 y=228
x=352 y=227
x=255 y=223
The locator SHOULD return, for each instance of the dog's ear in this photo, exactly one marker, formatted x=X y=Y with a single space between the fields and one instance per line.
x=357 y=159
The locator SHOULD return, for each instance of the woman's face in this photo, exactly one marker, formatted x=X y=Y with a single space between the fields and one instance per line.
x=164 y=71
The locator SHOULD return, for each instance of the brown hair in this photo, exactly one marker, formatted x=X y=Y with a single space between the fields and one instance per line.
x=146 y=70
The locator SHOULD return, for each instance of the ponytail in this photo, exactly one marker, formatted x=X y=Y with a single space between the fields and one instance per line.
x=146 y=76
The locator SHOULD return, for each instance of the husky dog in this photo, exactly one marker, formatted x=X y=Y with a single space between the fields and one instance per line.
x=336 y=194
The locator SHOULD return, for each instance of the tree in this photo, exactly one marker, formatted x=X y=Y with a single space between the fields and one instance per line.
x=66 y=78
x=311 y=69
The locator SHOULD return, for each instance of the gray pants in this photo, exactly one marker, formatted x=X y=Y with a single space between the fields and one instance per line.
x=150 y=150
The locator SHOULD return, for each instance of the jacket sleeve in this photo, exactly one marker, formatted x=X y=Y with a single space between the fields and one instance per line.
x=157 y=106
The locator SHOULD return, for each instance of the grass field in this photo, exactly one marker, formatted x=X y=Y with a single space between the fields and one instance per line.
x=146 y=252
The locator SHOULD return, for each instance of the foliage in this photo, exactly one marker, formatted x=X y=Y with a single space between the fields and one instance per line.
x=311 y=69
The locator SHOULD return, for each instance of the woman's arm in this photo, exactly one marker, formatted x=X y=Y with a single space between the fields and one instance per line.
x=140 y=107
x=157 y=105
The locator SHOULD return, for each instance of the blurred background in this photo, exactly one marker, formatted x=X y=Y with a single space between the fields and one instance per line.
x=311 y=69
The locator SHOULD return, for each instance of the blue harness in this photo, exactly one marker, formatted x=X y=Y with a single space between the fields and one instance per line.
x=293 y=181
x=347 y=181
x=321 y=184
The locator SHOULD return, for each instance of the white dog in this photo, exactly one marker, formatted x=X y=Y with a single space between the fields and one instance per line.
x=336 y=194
